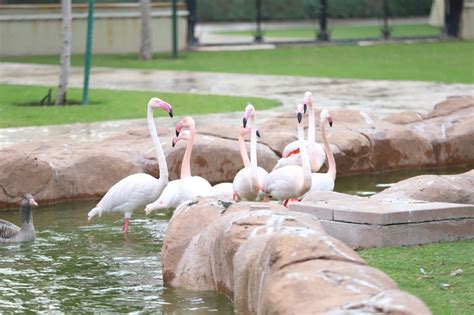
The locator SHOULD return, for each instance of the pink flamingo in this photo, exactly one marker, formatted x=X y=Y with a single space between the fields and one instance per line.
x=187 y=187
x=248 y=181
x=291 y=153
x=291 y=181
x=137 y=190
x=325 y=181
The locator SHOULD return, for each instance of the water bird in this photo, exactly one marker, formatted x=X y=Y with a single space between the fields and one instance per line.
x=137 y=190
x=249 y=180
x=10 y=233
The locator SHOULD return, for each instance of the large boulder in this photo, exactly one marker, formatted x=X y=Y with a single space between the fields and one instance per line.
x=273 y=261
x=457 y=188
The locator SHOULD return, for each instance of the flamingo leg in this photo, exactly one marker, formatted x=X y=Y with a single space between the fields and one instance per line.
x=285 y=202
x=125 y=226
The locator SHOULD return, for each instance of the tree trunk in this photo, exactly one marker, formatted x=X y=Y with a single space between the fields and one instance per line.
x=65 y=52
x=145 y=45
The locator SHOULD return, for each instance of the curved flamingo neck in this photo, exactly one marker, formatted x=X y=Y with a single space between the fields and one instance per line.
x=186 y=164
x=311 y=123
x=304 y=161
x=327 y=148
x=253 y=153
x=243 y=151
x=160 y=156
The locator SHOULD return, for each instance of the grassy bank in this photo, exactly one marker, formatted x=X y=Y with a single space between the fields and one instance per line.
x=346 y=31
x=107 y=105
x=440 y=61
x=431 y=272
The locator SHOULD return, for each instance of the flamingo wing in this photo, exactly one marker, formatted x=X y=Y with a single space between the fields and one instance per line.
x=222 y=190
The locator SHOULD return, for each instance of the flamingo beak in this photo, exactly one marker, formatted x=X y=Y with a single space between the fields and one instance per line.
x=258 y=133
x=330 y=121
x=170 y=112
x=305 y=107
x=244 y=122
x=299 y=116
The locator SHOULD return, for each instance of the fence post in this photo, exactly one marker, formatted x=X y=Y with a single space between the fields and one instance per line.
x=192 y=18
x=386 y=13
x=175 y=29
x=87 y=64
x=323 y=34
x=258 y=19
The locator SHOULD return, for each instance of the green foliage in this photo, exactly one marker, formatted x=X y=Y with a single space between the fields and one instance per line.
x=429 y=272
x=244 y=10
x=107 y=105
x=440 y=61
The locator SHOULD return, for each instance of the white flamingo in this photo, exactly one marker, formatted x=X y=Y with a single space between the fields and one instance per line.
x=291 y=153
x=137 y=190
x=248 y=181
x=187 y=187
x=227 y=189
x=291 y=181
x=325 y=181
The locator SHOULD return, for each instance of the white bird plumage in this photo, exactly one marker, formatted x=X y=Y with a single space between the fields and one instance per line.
x=187 y=186
x=248 y=181
x=324 y=181
x=137 y=190
x=291 y=181
x=291 y=153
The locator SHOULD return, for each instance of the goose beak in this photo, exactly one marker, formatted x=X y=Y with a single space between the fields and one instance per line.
x=33 y=202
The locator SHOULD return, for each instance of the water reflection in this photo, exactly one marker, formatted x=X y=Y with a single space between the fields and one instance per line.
x=76 y=267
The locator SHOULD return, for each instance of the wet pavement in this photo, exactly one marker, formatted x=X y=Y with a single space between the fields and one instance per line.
x=381 y=97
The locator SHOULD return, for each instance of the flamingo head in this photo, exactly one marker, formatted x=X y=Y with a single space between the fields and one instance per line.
x=155 y=102
x=249 y=112
x=307 y=100
x=184 y=135
x=324 y=116
x=185 y=122
x=299 y=112
x=28 y=200
x=149 y=208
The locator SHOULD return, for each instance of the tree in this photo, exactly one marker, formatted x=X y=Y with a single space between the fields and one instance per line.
x=145 y=45
x=65 y=52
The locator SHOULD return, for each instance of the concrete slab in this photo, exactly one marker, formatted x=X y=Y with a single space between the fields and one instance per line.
x=369 y=222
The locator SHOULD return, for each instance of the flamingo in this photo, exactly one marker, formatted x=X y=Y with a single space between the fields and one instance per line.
x=187 y=187
x=248 y=181
x=291 y=181
x=291 y=153
x=137 y=190
x=325 y=181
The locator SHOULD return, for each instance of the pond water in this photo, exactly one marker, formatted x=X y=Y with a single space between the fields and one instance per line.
x=74 y=266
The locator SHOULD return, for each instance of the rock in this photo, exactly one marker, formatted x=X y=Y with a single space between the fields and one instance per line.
x=273 y=261
x=441 y=188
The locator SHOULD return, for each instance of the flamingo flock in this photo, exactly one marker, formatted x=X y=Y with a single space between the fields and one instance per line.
x=293 y=177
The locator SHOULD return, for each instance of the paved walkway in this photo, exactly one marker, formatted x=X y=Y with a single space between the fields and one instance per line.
x=380 y=97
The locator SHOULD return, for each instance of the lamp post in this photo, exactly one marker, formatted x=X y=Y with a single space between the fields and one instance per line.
x=175 y=28
x=323 y=35
x=192 y=18
x=258 y=34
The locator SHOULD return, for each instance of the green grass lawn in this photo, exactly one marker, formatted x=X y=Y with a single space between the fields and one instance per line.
x=108 y=105
x=440 y=61
x=425 y=271
x=347 y=31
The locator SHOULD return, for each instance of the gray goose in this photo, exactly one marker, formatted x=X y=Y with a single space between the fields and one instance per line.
x=10 y=233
